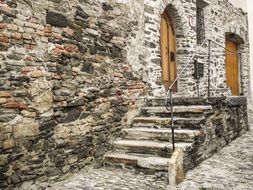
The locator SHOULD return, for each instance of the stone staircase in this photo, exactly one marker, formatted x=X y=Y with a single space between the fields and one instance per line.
x=147 y=144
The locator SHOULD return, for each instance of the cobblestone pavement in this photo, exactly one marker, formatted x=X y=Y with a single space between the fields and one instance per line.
x=229 y=169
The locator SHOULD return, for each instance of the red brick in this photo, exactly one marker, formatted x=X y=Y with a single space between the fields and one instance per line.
x=56 y=51
x=28 y=58
x=5 y=34
x=12 y=27
x=4 y=39
x=70 y=48
x=2 y=25
x=17 y=35
x=69 y=31
x=5 y=94
x=29 y=46
x=14 y=104
x=59 y=46
x=40 y=33
x=27 y=69
x=47 y=30
x=57 y=36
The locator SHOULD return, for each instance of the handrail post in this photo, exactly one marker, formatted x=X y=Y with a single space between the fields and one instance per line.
x=172 y=120
x=241 y=77
x=209 y=67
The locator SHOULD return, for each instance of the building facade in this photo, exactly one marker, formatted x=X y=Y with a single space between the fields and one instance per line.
x=73 y=73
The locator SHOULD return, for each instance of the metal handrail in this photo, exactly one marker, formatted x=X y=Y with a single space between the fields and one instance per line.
x=169 y=92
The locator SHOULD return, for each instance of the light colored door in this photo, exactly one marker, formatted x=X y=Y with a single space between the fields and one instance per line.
x=231 y=64
x=168 y=51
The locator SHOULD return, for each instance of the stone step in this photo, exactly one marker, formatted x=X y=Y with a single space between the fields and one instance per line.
x=140 y=133
x=137 y=160
x=189 y=111
x=176 y=101
x=178 y=109
x=161 y=148
x=159 y=122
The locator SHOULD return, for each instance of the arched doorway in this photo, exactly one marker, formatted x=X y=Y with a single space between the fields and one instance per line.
x=168 y=51
x=231 y=65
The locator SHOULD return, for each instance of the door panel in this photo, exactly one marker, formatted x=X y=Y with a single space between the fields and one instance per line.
x=231 y=65
x=168 y=51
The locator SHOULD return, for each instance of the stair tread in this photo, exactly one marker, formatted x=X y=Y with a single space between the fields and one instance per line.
x=176 y=98
x=133 y=156
x=151 y=144
x=161 y=130
x=190 y=108
x=164 y=118
x=142 y=160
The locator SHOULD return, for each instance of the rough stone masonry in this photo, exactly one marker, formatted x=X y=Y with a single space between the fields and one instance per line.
x=65 y=84
x=71 y=72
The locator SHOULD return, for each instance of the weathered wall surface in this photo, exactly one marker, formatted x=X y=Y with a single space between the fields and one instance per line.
x=221 y=18
x=227 y=121
x=71 y=72
x=65 y=83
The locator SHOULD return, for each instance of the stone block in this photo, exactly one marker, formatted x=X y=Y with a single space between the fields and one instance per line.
x=3 y=100
x=56 y=19
x=236 y=100
x=106 y=7
x=4 y=39
x=47 y=125
x=15 y=178
x=73 y=159
x=17 y=35
x=43 y=102
x=5 y=94
x=71 y=115
x=27 y=36
x=20 y=50
x=28 y=114
x=65 y=169
x=176 y=167
x=2 y=25
x=14 y=104
x=12 y=27
x=87 y=67
x=26 y=128
x=4 y=46
x=92 y=32
x=77 y=102
x=8 y=144
x=52 y=171
x=36 y=74
x=3 y=159
x=7 y=117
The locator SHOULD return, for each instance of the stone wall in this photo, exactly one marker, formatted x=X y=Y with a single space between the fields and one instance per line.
x=65 y=83
x=227 y=121
x=72 y=72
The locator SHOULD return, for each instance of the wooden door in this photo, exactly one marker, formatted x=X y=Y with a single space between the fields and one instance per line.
x=168 y=51
x=231 y=65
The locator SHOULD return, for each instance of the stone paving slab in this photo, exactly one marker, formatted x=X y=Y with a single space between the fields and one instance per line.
x=230 y=169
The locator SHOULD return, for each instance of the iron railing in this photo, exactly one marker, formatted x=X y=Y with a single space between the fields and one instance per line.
x=169 y=94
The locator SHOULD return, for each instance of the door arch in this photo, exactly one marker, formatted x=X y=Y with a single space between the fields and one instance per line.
x=168 y=51
x=231 y=66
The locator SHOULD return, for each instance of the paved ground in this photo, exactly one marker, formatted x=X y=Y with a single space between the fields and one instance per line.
x=230 y=169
